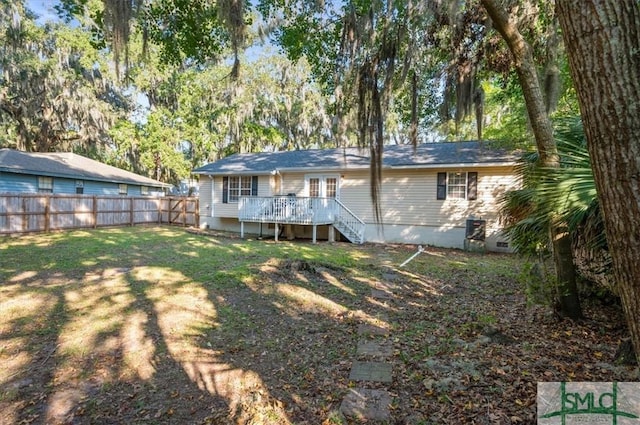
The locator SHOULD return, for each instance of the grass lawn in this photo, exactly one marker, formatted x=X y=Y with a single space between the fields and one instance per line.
x=157 y=325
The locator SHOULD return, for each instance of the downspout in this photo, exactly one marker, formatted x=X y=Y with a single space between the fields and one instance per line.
x=277 y=175
x=212 y=193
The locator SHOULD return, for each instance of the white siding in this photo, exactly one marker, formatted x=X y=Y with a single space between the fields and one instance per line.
x=204 y=190
x=293 y=183
x=410 y=211
x=211 y=204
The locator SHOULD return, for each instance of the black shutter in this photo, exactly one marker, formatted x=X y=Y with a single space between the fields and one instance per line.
x=225 y=190
x=472 y=186
x=442 y=186
x=254 y=185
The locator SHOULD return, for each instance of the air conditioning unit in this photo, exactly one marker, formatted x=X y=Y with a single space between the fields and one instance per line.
x=475 y=229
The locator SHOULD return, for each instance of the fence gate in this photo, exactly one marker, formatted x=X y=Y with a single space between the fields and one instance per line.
x=178 y=211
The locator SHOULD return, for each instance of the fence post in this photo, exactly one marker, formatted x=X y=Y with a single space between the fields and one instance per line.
x=131 y=211
x=25 y=217
x=47 y=215
x=95 y=211
x=196 y=217
x=184 y=212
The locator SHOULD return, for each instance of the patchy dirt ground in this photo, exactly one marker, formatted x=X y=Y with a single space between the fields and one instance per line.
x=158 y=326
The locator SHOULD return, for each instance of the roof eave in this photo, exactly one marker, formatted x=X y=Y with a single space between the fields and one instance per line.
x=279 y=169
x=77 y=177
x=455 y=165
x=232 y=173
x=353 y=168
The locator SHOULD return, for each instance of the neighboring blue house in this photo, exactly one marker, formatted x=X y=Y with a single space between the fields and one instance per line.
x=26 y=172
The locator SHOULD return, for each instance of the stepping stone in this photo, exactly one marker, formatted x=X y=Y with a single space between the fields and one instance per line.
x=365 y=404
x=374 y=349
x=390 y=276
x=381 y=294
x=369 y=329
x=371 y=371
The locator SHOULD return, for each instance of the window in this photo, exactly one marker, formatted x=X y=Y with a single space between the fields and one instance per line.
x=331 y=189
x=144 y=190
x=314 y=187
x=233 y=187
x=79 y=187
x=45 y=184
x=123 y=189
x=457 y=185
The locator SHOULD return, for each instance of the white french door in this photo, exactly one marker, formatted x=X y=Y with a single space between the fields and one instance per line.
x=322 y=186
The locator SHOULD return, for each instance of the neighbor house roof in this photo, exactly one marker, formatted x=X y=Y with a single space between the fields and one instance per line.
x=427 y=155
x=69 y=165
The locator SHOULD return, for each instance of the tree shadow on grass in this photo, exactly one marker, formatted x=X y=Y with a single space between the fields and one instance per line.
x=124 y=329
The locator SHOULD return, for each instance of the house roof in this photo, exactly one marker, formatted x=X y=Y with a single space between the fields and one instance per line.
x=427 y=155
x=69 y=165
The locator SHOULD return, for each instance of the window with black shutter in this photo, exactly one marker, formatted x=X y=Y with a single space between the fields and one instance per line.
x=457 y=185
x=233 y=187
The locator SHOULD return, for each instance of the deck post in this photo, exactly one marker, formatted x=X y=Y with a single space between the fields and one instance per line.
x=315 y=231
x=332 y=233
x=242 y=230
x=276 y=232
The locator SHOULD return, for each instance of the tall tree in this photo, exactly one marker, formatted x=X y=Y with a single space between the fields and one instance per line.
x=603 y=44
x=54 y=95
x=547 y=149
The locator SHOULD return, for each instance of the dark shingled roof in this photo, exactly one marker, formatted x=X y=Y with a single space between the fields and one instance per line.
x=427 y=155
x=69 y=165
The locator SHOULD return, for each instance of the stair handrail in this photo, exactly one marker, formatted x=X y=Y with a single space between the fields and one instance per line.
x=351 y=218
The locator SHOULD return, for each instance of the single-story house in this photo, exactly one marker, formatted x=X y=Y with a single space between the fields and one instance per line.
x=27 y=172
x=441 y=194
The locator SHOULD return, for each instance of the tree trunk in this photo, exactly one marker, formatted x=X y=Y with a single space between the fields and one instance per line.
x=567 y=289
x=602 y=39
x=528 y=77
x=546 y=145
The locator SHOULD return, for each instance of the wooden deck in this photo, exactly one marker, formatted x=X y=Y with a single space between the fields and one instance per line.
x=300 y=210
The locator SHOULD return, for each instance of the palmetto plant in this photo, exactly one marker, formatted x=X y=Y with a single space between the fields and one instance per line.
x=565 y=194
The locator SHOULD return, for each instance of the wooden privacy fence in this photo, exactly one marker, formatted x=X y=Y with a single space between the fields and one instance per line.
x=37 y=212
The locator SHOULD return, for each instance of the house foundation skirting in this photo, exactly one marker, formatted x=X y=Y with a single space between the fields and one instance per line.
x=408 y=234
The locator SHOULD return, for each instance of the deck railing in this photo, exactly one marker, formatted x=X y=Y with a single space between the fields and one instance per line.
x=301 y=210
x=348 y=223
x=286 y=209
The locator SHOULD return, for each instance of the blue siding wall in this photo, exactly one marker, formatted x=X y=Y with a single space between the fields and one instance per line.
x=25 y=183
x=10 y=182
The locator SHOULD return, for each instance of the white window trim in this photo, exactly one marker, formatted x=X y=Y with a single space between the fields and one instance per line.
x=123 y=189
x=235 y=201
x=323 y=184
x=466 y=185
